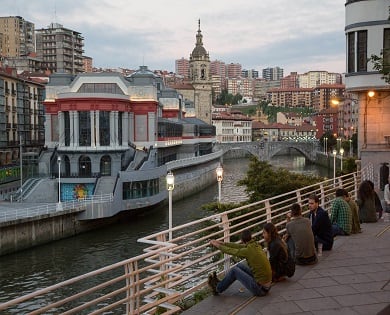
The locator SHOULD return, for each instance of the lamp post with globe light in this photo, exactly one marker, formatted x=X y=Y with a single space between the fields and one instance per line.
x=59 y=204
x=341 y=158
x=219 y=171
x=334 y=166
x=170 y=186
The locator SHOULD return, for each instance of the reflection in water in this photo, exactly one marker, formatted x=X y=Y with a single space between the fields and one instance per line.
x=24 y=272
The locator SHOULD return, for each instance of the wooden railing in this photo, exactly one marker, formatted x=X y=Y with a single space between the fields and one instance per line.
x=169 y=272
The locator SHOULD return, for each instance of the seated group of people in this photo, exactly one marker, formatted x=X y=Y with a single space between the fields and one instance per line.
x=303 y=242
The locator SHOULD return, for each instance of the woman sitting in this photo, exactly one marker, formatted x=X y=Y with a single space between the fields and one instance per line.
x=366 y=202
x=278 y=253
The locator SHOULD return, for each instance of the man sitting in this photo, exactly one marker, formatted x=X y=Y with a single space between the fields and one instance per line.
x=299 y=237
x=255 y=274
x=341 y=216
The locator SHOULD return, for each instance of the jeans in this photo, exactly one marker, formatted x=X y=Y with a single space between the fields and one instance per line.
x=336 y=230
x=291 y=247
x=242 y=273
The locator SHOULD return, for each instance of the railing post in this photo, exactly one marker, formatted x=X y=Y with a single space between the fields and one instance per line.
x=226 y=238
x=322 y=189
x=132 y=282
x=299 y=197
x=268 y=210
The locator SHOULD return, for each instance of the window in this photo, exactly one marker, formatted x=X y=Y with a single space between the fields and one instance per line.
x=386 y=49
x=67 y=128
x=84 y=129
x=104 y=128
x=351 y=52
x=362 y=51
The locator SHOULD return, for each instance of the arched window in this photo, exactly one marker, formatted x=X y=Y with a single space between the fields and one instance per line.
x=84 y=166
x=105 y=165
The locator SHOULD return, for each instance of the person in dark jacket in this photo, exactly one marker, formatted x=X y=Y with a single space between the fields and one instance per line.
x=366 y=202
x=320 y=224
x=278 y=252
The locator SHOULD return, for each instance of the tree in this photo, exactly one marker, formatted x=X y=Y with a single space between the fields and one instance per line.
x=262 y=181
x=380 y=63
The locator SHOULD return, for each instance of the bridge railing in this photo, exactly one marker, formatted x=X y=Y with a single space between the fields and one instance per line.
x=170 y=271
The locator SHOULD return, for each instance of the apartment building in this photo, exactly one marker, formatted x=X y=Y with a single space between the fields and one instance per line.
x=60 y=49
x=182 y=67
x=326 y=121
x=17 y=36
x=21 y=117
x=234 y=70
x=273 y=74
x=290 y=81
x=87 y=64
x=242 y=86
x=251 y=74
x=232 y=127
x=313 y=79
x=290 y=97
x=323 y=95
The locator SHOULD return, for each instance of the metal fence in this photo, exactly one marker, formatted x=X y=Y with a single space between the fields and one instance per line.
x=20 y=212
x=169 y=272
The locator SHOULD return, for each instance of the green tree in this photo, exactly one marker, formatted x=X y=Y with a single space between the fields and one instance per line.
x=381 y=64
x=263 y=181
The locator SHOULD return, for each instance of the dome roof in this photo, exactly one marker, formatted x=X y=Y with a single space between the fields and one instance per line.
x=199 y=50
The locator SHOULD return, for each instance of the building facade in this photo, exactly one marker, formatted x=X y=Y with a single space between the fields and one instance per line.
x=60 y=49
x=182 y=67
x=21 y=119
x=272 y=74
x=367 y=29
x=232 y=127
x=17 y=37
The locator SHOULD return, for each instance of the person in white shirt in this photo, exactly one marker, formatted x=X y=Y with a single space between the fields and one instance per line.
x=386 y=198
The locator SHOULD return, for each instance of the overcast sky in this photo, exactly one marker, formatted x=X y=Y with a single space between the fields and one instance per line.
x=296 y=35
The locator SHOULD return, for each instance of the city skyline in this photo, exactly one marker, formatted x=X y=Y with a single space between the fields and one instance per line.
x=309 y=38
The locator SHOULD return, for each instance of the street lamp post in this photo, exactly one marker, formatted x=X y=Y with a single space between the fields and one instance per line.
x=219 y=171
x=59 y=205
x=170 y=187
x=338 y=143
x=334 y=166
x=341 y=158
x=326 y=145
x=350 y=148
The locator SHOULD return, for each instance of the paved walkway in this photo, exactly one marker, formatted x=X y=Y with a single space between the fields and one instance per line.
x=353 y=278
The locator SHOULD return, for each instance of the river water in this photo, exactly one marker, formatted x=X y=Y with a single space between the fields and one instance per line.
x=39 y=267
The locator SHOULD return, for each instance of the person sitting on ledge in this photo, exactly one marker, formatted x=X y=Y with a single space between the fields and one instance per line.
x=255 y=274
x=341 y=215
x=299 y=237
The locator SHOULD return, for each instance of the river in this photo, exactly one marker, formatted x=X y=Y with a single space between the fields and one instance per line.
x=26 y=271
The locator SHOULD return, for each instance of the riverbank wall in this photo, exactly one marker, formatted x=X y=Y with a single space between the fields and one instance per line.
x=28 y=232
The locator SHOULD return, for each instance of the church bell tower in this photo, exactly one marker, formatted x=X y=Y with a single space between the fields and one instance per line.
x=201 y=79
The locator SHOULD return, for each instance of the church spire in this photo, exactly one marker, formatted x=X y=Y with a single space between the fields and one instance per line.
x=199 y=51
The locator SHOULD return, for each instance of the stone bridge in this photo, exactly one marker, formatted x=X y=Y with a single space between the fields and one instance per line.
x=264 y=151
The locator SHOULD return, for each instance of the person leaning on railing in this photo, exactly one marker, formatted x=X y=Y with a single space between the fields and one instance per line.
x=255 y=274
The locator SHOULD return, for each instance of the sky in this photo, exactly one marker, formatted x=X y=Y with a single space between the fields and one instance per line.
x=296 y=35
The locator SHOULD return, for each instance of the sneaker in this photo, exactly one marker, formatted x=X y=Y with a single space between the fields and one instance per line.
x=213 y=282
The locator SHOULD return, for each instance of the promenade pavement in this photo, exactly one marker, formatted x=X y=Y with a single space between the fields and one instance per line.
x=352 y=278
